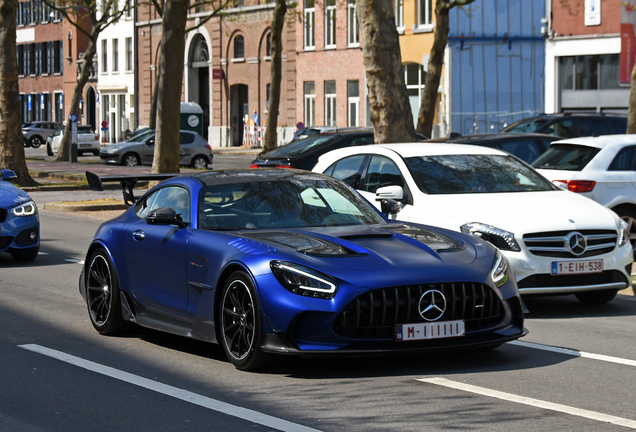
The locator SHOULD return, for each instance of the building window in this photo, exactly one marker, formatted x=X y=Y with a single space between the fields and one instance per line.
x=128 y=11
x=239 y=47
x=105 y=116
x=115 y=55
x=45 y=106
x=591 y=72
x=353 y=35
x=330 y=103
x=129 y=54
x=414 y=78
x=330 y=23
x=424 y=13
x=59 y=107
x=268 y=46
x=58 y=66
x=310 y=103
x=104 y=55
x=353 y=99
x=310 y=20
x=399 y=14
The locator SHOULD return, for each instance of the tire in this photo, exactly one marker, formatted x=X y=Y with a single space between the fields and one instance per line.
x=240 y=323
x=596 y=297
x=102 y=295
x=49 y=152
x=199 y=162
x=130 y=159
x=79 y=153
x=25 y=254
x=629 y=216
x=95 y=152
x=35 y=141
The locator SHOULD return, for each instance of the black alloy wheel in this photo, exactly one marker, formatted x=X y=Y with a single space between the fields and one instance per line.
x=36 y=142
x=240 y=323
x=102 y=295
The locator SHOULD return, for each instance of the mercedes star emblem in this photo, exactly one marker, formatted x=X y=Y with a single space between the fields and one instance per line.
x=432 y=305
x=577 y=243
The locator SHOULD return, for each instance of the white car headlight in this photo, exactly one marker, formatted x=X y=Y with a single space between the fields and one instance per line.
x=303 y=281
x=109 y=149
x=27 y=209
x=499 y=271
x=502 y=239
x=623 y=233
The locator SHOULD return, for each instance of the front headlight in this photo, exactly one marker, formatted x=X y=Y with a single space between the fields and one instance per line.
x=26 y=209
x=502 y=239
x=303 y=281
x=109 y=150
x=499 y=271
x=623 y=232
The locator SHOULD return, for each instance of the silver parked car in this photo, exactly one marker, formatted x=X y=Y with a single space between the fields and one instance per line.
x=193 y=151
x=36 y=133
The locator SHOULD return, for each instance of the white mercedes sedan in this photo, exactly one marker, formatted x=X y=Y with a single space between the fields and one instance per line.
x=557 y=242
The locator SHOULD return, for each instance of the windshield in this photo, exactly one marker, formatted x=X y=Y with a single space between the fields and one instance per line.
x=526 y=126
x=565 y=157
x=283 y=204
x=58 y=131
x=299 y=146
x=463 y=174
x=141 y=135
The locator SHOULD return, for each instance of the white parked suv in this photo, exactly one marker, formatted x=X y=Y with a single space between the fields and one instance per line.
x=602 y=168
x=557 y=242
x=87 y=141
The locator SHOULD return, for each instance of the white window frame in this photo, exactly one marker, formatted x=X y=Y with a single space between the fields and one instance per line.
x=425 y=12
x=330 y=24
x=353 y=33
x=104 y=56
x=129 y=54
x=399 y=16
x=309 y=26
x=310 y=103
x=330 y=105
x=353 y=118
x=115 y=55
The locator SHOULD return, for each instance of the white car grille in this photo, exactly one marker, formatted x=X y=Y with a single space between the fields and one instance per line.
x=569 y=244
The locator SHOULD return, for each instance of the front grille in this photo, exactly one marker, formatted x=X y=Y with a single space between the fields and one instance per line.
x=548 y=280
x=374 y=314
x=3 y=215
x=555 y=244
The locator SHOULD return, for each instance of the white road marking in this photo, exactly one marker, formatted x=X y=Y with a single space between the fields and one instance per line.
x=592 y=415
x=575 y=353
x=75 y=261
x=42 y=253
x=177 y=393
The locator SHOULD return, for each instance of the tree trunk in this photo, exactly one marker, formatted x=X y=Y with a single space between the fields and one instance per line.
x=274 y=93
x=390 y=110
x=171 y=56
x=435 y=63
x=89 y=54
x=631 y=112
x=11 y=141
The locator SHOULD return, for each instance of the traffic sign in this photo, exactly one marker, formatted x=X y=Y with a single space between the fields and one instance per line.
x=73 y=118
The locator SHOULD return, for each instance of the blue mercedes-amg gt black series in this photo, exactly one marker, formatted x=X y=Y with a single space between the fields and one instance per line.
x=287 y=262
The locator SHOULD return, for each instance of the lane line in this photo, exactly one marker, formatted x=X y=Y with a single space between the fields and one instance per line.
x=177 y=393
x=575 y=353
x=74 y=261
x=592 y=415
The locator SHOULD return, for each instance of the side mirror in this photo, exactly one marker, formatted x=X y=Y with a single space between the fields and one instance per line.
x=389 y=192
x=8 y=174
x=151 y=141
x=165 y=216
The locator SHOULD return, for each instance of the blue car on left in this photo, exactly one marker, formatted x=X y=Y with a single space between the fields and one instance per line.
x=19 y=220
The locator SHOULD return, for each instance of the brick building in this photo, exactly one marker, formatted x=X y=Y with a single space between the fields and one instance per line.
x=227 y=70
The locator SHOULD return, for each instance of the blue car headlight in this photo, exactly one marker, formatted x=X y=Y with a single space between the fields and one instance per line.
x=303 y=281
x=623 y=232
x=500 y=269
x=502 y=239
x=27 y=209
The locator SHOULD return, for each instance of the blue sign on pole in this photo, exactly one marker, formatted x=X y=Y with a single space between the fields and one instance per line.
x=29 y=102
x=73 y=118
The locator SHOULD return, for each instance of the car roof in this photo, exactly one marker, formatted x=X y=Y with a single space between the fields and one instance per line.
x=262 y=174
x=508 y=136
x=428 y=149
x=600 y=141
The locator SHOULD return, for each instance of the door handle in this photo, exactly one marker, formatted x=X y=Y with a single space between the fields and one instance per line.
x=139 y=235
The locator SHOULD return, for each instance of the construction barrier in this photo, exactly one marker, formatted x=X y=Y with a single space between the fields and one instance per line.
x=253 y=136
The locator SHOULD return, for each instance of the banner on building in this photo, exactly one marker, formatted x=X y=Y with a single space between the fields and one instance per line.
x=628 y=39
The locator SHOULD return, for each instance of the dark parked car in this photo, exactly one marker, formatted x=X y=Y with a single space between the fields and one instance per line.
x=526 y=146
x=571 y=125
x=304 y=153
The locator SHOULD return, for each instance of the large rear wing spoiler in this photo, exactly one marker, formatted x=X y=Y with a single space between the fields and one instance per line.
x=127 y=182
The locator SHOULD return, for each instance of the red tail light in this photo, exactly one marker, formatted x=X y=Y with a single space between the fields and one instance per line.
x=207 y=146
x=579 y=186
x=253 y=166
x=283 y=166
